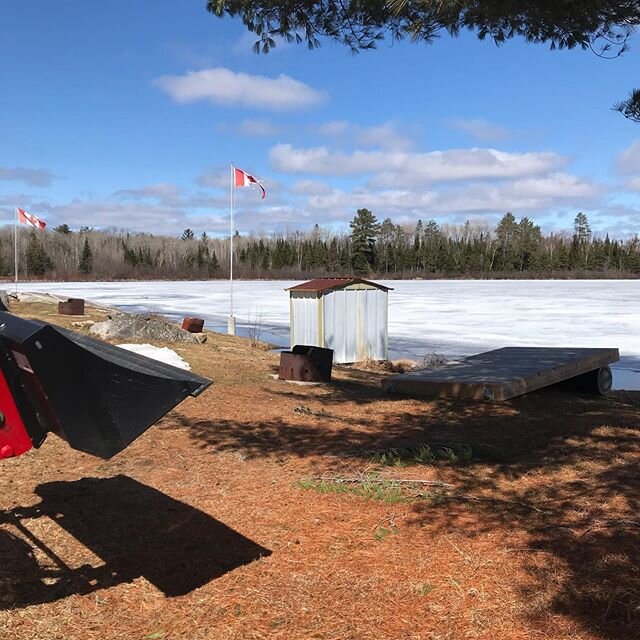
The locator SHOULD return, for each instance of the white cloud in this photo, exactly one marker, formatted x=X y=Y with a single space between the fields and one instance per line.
x=618 y=220
x=168 y=209
x=32 y=177
x=481 y=129
x=262 y=127
x=633 y=184
x=162 y=191
x=340 y=204
x=399 y=168
x=191 y=54
x=628 y=165
x=529 y=194
x=230 y=88
x=556 y=185
x=383 y=136
x=135 y=216
x=334 y=128
x=629 y=160
x=215 y=177
x=13 y=200
x=310 y=187
x=274 y=219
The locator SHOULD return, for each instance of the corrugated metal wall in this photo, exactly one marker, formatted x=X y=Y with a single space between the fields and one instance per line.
x=355 y=324
x=305 y=317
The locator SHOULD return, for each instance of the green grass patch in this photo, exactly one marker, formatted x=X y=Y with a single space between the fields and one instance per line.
x=423 y=588
x=423 y=454
x=382 y=532
x=369 y=488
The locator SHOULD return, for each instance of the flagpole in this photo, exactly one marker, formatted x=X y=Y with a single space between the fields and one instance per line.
x=231 y=323
x=15 y=248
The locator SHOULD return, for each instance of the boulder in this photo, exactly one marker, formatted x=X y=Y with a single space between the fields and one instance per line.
x=127 y=326
x=83 y=324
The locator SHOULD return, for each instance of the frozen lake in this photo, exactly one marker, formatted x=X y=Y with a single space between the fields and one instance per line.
x=452 y=317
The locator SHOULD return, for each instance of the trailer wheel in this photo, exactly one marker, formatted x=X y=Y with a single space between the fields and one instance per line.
x=596 y=382
x=602 y=380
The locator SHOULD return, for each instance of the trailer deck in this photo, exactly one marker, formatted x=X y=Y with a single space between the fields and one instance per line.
x=509 y=372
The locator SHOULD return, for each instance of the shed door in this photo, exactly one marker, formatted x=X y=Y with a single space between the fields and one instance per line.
x=304 y=319
x=355 y=324
x=372 y=322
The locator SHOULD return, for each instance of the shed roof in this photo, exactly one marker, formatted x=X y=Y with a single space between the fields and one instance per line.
x=322 y=285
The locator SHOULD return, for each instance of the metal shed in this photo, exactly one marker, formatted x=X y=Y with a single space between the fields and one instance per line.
x=348 y=315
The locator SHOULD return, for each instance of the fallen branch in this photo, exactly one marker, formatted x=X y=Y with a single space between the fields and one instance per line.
x=369 y=480
x=462 y=496
x=613 y=522
x=307 y=411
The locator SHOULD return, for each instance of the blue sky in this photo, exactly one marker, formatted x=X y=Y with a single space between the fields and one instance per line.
x=127 y=114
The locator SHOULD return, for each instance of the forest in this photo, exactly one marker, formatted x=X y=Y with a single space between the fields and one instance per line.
x=512 y=249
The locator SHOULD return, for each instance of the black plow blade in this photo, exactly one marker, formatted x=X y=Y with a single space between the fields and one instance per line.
x=97 y=397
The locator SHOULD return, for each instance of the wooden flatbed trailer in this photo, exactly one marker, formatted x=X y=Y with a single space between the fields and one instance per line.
x=509 y=372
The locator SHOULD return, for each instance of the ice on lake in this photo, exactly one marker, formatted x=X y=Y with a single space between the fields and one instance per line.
x=455 y=318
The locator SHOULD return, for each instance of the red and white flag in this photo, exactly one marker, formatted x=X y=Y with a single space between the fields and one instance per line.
x=244 y=179
x=29 y=218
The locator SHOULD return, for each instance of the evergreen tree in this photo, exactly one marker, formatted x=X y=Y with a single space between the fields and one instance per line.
x=344 y=258
x=63 y=229
x=187 y=234
x=581 y=245
x=507 y=233
x=129 y=255
x=38 y=261
x=332 y=256
x=529 y=238
x=4 y=264
x=418 y=241
x=581 y=228
x=364 y=231
x=386 y=235
x=214 y=265
x=86 y=258
x=431 y=246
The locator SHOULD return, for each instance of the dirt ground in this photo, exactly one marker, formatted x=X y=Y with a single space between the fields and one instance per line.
x=214 y=524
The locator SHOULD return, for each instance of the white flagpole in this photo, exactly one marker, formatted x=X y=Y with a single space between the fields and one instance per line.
x=231 y=324
x=15 y=247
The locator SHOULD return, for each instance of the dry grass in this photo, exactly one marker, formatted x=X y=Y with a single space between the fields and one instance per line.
x=402 y=365
x=201 y=529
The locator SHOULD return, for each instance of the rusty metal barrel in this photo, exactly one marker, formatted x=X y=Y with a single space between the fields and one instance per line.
x=305 y=363
x=72 y=307
x=193 y=325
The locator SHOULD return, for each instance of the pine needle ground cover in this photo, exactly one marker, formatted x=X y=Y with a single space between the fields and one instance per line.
x=262 y=509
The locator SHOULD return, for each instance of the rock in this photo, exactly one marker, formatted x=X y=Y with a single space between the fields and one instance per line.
x=34 y=296
x=4 y=300
x=126 y=326
x=83 y=324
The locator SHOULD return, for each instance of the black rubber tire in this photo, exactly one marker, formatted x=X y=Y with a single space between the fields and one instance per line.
x=603 y=380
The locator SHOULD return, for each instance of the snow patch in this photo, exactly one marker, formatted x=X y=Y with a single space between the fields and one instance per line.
x=163 y=354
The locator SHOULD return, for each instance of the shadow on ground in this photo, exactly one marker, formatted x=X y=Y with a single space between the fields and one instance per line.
x=134 y=529
x=559 y=468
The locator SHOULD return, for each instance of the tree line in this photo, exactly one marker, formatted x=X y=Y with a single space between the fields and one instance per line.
x=513 y=248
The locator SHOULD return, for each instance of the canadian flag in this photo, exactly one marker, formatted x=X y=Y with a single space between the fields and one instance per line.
x=29 y=218
x=244 y=179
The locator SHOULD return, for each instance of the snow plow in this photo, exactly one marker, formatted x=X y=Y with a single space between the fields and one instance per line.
x=95 y=396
